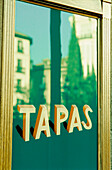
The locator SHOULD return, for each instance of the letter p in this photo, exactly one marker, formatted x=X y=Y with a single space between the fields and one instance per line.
x=58 y=118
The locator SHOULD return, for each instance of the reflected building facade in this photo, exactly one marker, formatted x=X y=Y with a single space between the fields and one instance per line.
x=41 y=73
x=32 y=83
x=40 y=82
x=21 y=69
x=86 y=34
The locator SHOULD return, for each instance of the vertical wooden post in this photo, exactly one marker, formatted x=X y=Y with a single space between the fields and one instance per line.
x=111 y=88
x=6 y=81
x=105 y=89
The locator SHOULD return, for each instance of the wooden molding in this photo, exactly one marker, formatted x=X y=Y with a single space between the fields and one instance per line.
x=6 y=81
x=105 y=88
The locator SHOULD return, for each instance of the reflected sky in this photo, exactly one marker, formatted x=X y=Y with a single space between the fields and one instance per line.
x=30 y=21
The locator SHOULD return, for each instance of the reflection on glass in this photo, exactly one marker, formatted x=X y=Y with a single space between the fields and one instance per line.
x=79 y=68
x=41 y=77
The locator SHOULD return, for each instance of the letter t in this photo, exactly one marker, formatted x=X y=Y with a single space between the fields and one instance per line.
x=26 y=110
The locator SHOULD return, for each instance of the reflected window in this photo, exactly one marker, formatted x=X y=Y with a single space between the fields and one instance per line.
x=19 y=63
x=20 y=46
x=20 y=101
x=19 y=66
x=18 y=85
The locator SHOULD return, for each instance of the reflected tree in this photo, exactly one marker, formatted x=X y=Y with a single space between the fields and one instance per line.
x=37 y=86
x=74 y=71
x=77 y=89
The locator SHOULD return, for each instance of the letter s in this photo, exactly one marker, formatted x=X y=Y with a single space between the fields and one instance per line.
x=87 y=125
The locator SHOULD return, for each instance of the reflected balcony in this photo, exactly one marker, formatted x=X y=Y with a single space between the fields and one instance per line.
x=20 y=89
x=20 y=69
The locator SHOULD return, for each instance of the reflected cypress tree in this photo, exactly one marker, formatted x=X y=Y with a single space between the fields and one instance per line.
x=77 y=89
x=73 y=81
x=37 y=86
x=91 y=93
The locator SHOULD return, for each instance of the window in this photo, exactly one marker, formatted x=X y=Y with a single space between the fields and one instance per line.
x=20 y=69
x=19 y=66
x=19 y=82
x=18 y=87
x=20 y=101
x=58 y=77
x=19 y=63
x=20 y=46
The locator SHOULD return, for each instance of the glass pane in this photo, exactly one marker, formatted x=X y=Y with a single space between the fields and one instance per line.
x=55 y=63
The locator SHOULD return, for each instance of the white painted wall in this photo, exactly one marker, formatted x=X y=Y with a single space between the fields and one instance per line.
x=24 y=77
x=88 y=46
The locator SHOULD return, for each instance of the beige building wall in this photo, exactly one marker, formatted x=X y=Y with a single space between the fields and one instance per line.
x=21 y=69
x=86 y=31
x=47 y=79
